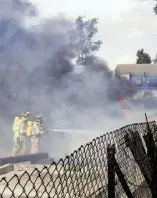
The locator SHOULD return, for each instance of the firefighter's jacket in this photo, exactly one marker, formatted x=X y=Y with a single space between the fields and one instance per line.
x=15 y=127
x=37 y=129
x=19 y=127
x=22 y=126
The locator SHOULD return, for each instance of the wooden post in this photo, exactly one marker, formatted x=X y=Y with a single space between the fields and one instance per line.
x=111 y=171
x=150 y=142
x=113 y=168
x=141 y=158
x=154 y=176
x=122 y=180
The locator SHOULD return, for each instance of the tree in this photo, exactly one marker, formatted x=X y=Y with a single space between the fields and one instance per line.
x=142 y=57
x=82 y=39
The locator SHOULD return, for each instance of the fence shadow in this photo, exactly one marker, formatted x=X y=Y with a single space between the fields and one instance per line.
x=88 y=171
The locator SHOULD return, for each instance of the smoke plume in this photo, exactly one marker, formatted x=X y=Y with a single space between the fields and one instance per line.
x=37 y=74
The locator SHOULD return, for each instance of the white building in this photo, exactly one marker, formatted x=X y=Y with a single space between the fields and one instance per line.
x=138 y=72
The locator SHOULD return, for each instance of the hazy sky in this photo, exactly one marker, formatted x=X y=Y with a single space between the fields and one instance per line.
x=124 y=25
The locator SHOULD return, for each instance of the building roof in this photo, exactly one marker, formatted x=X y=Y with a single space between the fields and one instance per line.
x=136 y=69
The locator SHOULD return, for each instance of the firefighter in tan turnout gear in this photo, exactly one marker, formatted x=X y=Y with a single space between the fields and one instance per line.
x=20 y=136
x=36 y=133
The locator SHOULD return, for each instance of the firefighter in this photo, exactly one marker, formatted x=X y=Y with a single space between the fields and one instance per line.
x=15 y=124
x=15 y=129
x=19 y=140
x=36 y=134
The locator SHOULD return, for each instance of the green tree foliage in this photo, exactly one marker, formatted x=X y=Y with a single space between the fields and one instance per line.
x=143 y=57
x=82 y=39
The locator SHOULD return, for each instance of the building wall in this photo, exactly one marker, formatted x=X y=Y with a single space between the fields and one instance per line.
x=144 y=75
x=136 y=69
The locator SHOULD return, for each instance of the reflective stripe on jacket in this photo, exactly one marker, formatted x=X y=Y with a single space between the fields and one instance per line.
x=14 y=127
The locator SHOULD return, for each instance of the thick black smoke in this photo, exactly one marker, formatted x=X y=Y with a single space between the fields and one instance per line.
x=34 y=59
x=31 y=59
x=37 y=74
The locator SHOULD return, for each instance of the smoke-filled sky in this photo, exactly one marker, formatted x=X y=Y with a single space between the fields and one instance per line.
x=36 y=69
x=128 y=25
x=37 y=73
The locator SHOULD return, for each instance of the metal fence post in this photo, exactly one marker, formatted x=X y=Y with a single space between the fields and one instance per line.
x=111 y=171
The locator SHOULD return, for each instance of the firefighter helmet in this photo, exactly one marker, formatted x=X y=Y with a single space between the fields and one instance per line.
x=25 y=114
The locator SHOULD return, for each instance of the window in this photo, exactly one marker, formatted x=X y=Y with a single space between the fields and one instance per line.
x=137 y=80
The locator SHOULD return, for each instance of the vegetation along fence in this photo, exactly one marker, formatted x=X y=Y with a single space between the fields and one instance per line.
x=118 y=164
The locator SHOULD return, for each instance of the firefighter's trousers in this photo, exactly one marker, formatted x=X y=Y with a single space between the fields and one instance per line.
x=19 y=145
x=35 y=144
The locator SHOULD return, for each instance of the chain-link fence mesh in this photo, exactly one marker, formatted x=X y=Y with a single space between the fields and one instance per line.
x=83 y=174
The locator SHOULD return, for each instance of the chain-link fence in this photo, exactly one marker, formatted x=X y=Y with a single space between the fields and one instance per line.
x=85 y=173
